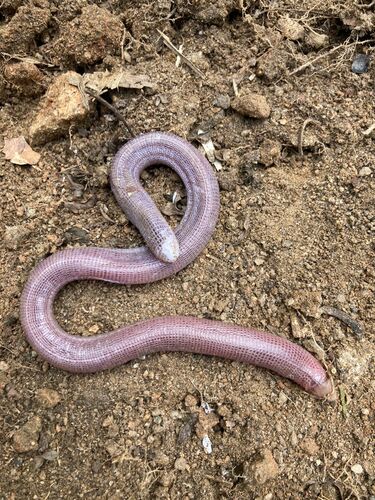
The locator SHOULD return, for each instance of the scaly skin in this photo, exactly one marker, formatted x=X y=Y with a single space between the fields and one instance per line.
x=171 y=252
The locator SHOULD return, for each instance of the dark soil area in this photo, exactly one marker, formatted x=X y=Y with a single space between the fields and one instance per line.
x=272 y=85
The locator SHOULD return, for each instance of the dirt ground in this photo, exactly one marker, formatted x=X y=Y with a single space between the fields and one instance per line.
x=295 y=237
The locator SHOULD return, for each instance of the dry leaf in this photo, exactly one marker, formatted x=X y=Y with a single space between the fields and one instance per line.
x=171 y=209
x=102 y=81
x=210 y=152
x=19 y=152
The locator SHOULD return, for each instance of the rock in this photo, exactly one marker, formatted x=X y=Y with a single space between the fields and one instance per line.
x=353 y=363
x=360 y=63
x=258 y=261
x=222 y=101
x=206 y=421
x=291 y=29
x=89 y=38
x=25 y=78
x=269 y=152
x=61 y=107
x=199 y=60
x=186 y=430
x=181 y=464
x=113 y=449
x=220 y=305
x=167 y=479
x=294 y=439
x=316 y=40
x=161 y=458
x=250 y=104
x=227 y=180
x=328 y=491
x=365 y=171
x=48 y=398
x=309 y=446
x=299 y=331
x=26 y=438
x=191 y=402
x=357 y=469
x=14 y=236
x=4 y=379
x=18 y=152
x=213 y=13
x=273 y=65
x=262 y=468
x=283 y=398
x=20 y=32
x=306 y=301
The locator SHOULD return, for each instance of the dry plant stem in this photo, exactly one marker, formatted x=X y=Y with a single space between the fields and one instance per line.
x=369 y=129
x=112 y=108
x=122 y=45
x=183 y=58
x=326 y=54
x=345 y=318
x=30 y=59
x=301 y=132
x=366 y=6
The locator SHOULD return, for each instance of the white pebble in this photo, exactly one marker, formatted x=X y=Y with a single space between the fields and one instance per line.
x=357 y=469
x=365 y=171
x=207 y=445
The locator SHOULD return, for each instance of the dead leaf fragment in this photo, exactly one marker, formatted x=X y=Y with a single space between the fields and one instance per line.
x=209 y=150
x=19 y=152
x=102 y=81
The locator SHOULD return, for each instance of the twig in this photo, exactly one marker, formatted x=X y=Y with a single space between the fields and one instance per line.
x=122 y=45
x=29 y=59
x=321 y=56
x=366 y=6
x=183 y=58
x=370 y=128
x=343 y=401
x=345 y=318
x=301 y=132
x=115 y=111
x=220 y=481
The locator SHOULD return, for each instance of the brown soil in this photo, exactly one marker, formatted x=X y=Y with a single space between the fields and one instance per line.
x=295 y=233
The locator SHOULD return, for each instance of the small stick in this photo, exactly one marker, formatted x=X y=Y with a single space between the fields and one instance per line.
x=122 y=45
x=369 y=129
x=345 y=318
x=301 y=132
x=343 y=401
x=174 y=49
x=115 y=111
x=366 y=6
x=312 y=61
x=32 y=60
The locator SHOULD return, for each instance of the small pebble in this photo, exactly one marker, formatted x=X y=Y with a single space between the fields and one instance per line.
x=181 y=464
x=310 y=446
x=357 y=469
x=365 y=171
x=283 y=398
x=258 y=261
x=222 y=101
x=26 y=438
x=291 y=29
x=207 y=445
x=360 y=63
x=262 y=467
x=250 y=104
x=48 y=398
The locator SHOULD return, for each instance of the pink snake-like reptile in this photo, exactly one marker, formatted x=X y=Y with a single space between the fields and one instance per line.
x=167 y=252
